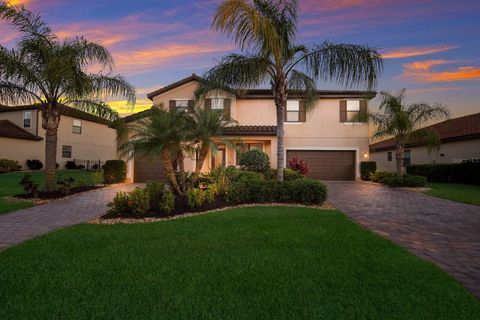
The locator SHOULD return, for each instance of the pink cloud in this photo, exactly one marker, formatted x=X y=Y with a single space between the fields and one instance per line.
x=422 y=71
x=414 y=51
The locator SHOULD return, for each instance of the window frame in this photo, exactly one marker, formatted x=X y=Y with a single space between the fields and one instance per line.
x=215 y=100
x=356 y=113
x=407 y=161
x=181 y=108
x=297 y=111
x=69 y=150
x=29 y=112
x=78 y=127
x=389 y=156
x=248 y=148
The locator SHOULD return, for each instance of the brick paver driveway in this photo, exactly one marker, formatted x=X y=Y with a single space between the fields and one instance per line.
x=442 y=231
x=25 y=224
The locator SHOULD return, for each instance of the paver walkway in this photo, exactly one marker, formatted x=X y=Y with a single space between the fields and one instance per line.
x=28 y=223
x=442 y=231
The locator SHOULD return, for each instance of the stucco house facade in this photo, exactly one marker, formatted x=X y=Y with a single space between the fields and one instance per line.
x=81 y=136
x=329 y=137
x=460 y=141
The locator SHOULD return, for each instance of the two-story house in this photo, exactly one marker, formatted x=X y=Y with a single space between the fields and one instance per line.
x=81 y=136
x=330 y=137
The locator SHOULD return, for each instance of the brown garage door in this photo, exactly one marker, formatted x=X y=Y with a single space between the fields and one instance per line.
x=148 y=170
x=327 y=165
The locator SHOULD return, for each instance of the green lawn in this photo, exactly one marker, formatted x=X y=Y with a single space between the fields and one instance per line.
x=9 y=185
x=250 y=263
x=456 y=192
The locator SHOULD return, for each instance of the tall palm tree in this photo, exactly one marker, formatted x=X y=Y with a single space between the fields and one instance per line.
x=206 y=127
x=266 y=31
x=405 y=122
x=47 y=71
x=162 y=134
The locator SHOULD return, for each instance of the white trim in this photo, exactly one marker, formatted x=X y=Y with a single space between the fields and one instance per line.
x=356 y=149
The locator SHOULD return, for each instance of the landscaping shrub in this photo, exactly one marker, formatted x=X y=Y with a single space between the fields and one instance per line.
x=220 y=177
x=80 y=167
x=304 y=191
x=255 y=160
x=466 y=172
x=115 y=171
x=65 y=185
x=248 y=176
x=299 y=166
x=7 y=165
x=405 y=181
x=167 y=203
x=34 y=164
x=196 y=198
x=135 y=203
x=211 y=193
x=70 y=165
x=29 y=186
x=155 y=194
x=288 y=174
x=367 y=168
x=380 y=175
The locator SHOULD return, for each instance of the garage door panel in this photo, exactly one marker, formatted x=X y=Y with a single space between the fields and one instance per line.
x=148 y=170
x=327 y=164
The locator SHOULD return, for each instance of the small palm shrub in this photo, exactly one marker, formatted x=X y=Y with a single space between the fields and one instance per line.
x=299 y=166
x=255 y=160
x=29 y=186
x=34 y=164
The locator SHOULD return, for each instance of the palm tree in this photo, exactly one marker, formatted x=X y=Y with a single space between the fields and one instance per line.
x=406 y=122
x=266 y=31
x=162 y=134
x=47 y=71
x=206 y=127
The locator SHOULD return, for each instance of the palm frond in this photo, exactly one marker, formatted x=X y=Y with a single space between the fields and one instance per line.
x=13 y=94
x=112 y=86
x=427 y=136
x=95 y=107
x=299 y=81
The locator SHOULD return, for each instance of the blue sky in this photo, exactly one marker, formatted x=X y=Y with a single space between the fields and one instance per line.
x=432 y=47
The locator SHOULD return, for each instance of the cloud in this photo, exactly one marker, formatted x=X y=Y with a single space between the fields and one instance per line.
x=422 y=71
x=148 y=58
x=414 y=52
x=19 y=2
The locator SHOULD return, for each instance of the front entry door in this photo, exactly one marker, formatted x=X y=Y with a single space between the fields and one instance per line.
x=219 y=158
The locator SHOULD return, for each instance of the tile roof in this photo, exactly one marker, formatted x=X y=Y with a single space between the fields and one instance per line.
x=11 y=130
x=64 y=110
x=267 y=93
x=463 y=128
x=250 y=131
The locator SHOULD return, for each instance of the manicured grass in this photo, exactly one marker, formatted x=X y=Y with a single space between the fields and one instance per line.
x=457 y=192
x=9 y=206
x=9 y=181
x=250 y=263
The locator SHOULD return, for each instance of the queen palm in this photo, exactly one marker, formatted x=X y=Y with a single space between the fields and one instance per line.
x=266 y=31
x=49 y=72
x=405 y=122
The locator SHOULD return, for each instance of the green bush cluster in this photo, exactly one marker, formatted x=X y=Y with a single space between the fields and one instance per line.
x=467 y=172
x=197 y=197
x=114 y=171
x=7 y=165
x=155 y=197
x=29 y=186
x=288 y=174
x=367 y=168
x=255 y=160
x=305 y=191
x=396 y=181
x=34 y=164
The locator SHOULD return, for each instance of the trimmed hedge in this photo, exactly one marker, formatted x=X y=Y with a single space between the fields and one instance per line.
x=34 y=164
x=115 y=171
x=305 y=191
x=465 y=172
x=404 y=181
x=367 y=168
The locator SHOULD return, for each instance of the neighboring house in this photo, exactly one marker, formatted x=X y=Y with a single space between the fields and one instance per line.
x=460 y=140
x=81 y=136
x=329 y=137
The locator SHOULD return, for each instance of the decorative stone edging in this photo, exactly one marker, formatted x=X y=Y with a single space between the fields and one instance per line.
x=100 y=220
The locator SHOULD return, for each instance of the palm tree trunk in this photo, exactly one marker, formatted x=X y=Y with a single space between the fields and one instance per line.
x=280 y=97
x=399 y=159
x=202 y=155
x=181 y=169
x=50 y=122
x=167 y=165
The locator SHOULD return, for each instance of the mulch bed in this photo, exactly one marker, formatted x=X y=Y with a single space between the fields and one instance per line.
x=182 y=210
x=52 y=195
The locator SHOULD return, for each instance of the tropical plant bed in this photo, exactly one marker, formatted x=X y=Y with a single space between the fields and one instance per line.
x=57 y=194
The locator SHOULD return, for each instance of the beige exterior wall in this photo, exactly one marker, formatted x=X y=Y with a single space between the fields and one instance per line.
x=453 y=152
x=322 y=131
x=96 y=142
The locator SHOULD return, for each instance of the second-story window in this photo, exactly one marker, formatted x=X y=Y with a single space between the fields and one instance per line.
x=77 y=126
x=218 y=103
x=27 y=119
x=353 y=111
x=181 y=105
x=293 y=111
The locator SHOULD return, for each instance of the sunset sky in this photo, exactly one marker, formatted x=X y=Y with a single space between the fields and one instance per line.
x=431 y=47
